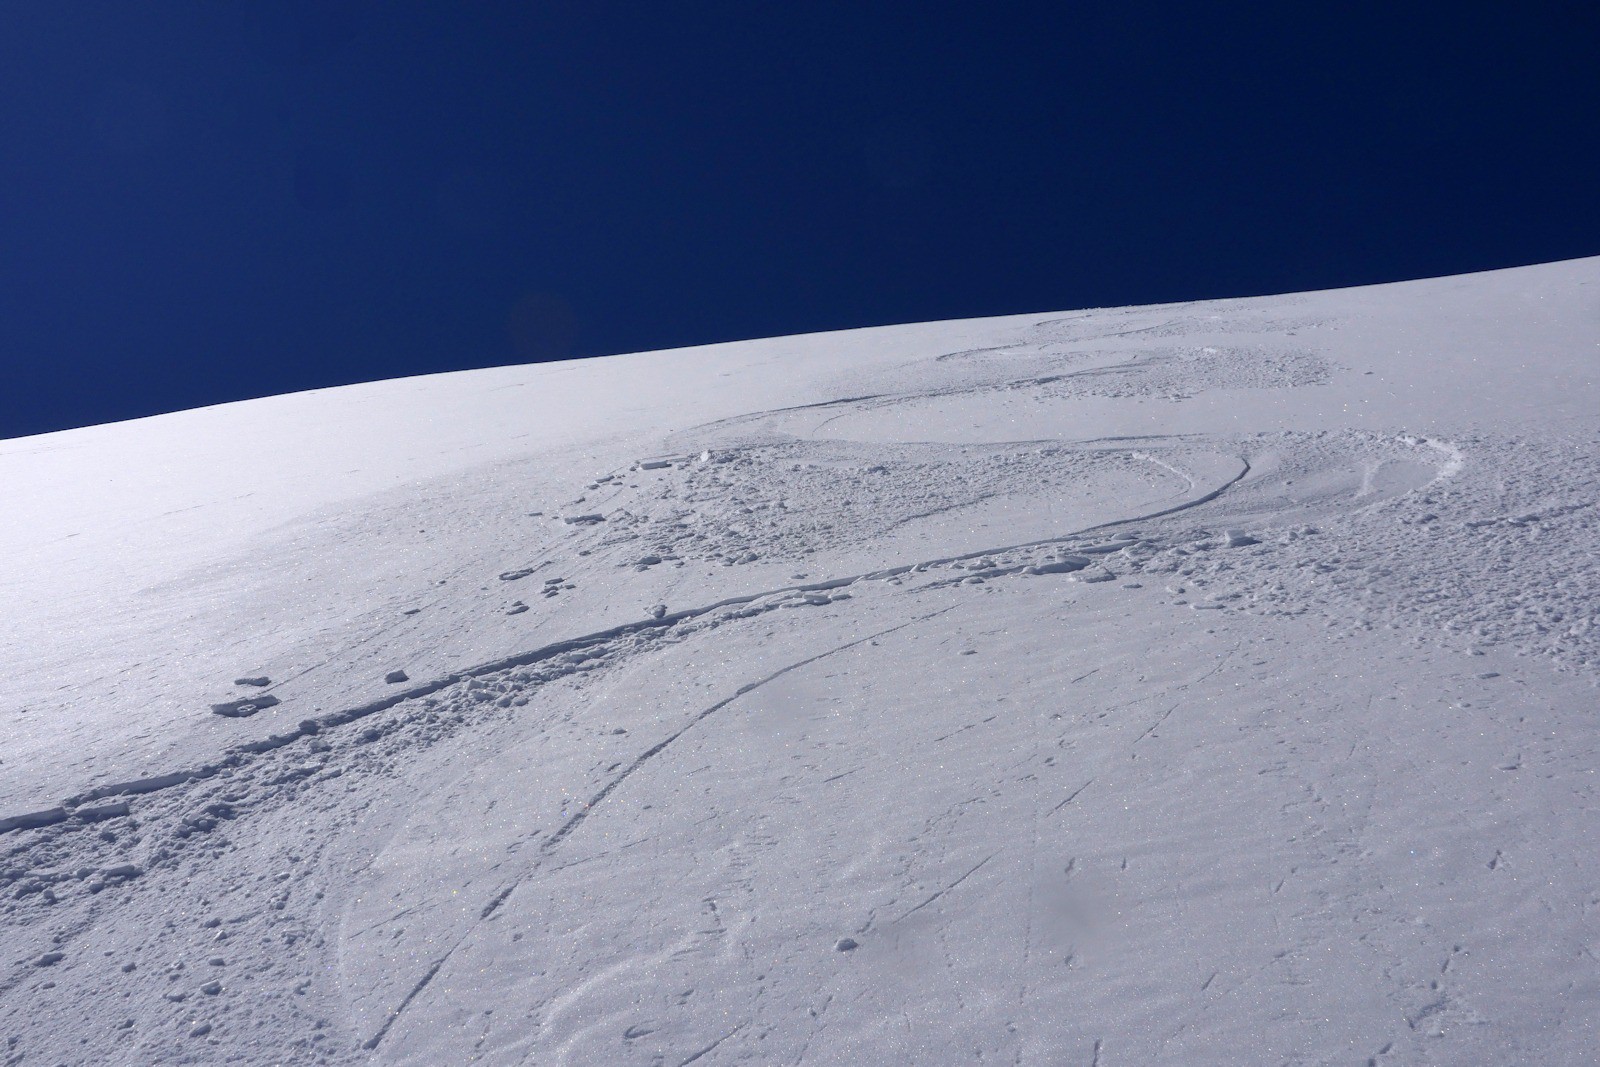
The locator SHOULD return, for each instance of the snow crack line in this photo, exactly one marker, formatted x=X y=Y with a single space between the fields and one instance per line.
x=949 y=887
x=713 y=1044
x=1074 y=795
x=583 y=813
x=655 y=750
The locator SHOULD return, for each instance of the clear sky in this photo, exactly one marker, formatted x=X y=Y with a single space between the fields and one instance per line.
x=201 y=204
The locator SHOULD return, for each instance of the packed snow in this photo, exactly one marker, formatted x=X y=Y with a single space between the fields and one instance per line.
x=1198 y=683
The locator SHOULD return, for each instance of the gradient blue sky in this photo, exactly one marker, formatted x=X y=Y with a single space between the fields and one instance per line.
x=199 y=203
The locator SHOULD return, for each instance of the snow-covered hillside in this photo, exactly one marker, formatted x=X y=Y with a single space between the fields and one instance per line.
x=1200 y=683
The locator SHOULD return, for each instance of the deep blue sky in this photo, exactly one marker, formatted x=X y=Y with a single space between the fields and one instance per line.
x=199 y=204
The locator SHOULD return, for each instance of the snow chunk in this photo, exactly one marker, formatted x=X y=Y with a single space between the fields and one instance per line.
x=1064 y=565
x=243 y=709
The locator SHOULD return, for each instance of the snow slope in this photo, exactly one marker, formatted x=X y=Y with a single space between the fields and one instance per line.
x=1201 y=683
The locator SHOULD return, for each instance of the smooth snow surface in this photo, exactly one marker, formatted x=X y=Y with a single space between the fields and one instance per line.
x=1208 y=683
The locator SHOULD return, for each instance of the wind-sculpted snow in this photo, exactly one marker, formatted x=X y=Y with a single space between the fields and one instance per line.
x=876 y=727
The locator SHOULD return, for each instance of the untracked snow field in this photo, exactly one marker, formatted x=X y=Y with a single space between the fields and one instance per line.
x=1206 y=683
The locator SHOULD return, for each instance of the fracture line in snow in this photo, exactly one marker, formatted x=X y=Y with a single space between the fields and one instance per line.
x=734 y=420
x=584 y=812
x=1123 y=366
x=949 y=887
x=713 y=1045
x=1148 y=730
x=422 y=983
x=71 y=808
x=1072 y=796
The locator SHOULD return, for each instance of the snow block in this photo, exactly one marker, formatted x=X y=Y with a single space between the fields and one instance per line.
x=1065 y=565
x=243 y=709
x=137 y=785
x=33 y=819
x=267 y=744
x=116 y=810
